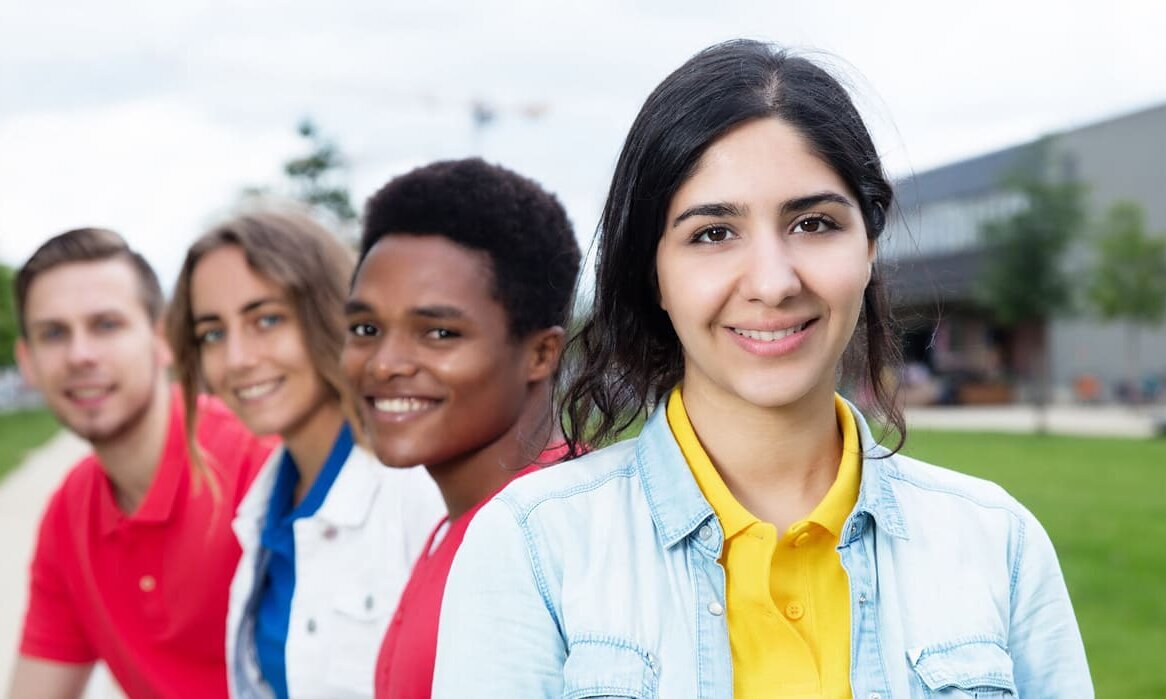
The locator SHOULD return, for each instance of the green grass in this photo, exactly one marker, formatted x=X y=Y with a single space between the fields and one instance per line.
x=21 y=432
x=1102 y=502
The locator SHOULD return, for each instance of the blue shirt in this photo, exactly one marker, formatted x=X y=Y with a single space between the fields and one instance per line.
x=600 y=577
x=279 y=582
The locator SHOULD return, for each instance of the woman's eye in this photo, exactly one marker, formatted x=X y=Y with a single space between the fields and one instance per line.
x=362 y=329
x=210 y=337
x=269 y=320
x=712 y=234
x=815 y=224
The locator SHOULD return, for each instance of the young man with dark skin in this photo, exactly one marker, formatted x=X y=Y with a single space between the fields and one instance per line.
x=456 y=321
x=135 y=551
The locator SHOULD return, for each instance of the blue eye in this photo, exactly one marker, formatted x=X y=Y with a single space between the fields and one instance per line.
x=210 y=337
x=268 y=320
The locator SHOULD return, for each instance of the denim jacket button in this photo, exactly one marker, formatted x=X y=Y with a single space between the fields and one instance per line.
x=716 y=608
x=874 y=695
x=705 y=532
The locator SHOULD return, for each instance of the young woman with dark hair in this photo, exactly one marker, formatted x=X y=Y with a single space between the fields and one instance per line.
x=328 y=534
x=754 y=540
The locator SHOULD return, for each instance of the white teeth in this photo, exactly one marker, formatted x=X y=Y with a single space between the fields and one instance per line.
x=401 y=405
x=86 y=393
x=770 y=336
x=258 y=390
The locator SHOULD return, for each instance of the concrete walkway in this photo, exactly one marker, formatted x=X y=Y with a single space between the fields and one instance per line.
x=1092 y=421
x=23 y=496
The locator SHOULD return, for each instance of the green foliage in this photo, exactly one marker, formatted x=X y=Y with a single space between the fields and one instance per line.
x=21 y=432
x=1097 y=501
x=1129 y=281
x=9 y=331
x=313 y=175
x=1025 y=279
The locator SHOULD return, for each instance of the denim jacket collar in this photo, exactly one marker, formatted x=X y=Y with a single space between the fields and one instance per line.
x=876 y=495
x=678 y=507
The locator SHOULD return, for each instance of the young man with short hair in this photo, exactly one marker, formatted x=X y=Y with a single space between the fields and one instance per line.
x=135 y=551
x=456 y=321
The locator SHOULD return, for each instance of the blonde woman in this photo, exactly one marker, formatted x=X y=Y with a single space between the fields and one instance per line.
x=328 y=534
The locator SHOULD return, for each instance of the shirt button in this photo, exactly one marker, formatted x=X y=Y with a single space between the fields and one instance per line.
x=330 y=533
x=705 y=532
x=874 y=695
x=801 y=539
x=716 y=608
x=147 y=583
x=311 y=626
x=368 y=602
x=795 y=610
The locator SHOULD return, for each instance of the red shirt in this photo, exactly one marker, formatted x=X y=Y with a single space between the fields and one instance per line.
x=405 y=670
x=147 y=592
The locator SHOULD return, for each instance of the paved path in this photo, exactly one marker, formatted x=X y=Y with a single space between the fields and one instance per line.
x=1096 y=421
x=23 y=496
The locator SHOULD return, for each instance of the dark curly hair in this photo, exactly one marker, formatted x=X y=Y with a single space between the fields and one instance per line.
x=523 y=229
x=628 y=354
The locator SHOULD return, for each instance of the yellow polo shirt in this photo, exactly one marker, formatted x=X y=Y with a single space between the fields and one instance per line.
x=787 y=597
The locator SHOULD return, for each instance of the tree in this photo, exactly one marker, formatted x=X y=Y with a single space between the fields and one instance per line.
x=315 y=179
x=1025 y=282
x=8 y=328
x=1128 y=282
x=313 y=175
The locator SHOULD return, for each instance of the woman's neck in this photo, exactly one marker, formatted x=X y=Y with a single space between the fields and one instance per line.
x=777 y=462
x=310 y=443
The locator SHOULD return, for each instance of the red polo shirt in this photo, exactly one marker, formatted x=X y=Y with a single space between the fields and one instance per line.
x=405 y=664
x=147 y=592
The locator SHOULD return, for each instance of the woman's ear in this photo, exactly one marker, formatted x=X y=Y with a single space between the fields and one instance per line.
x=544 y=350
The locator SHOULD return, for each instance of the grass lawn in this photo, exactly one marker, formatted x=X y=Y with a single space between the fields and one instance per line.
x=20 y=432
x=1102 y=502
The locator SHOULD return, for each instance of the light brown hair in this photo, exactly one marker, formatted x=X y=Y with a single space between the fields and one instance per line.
x=87 y=245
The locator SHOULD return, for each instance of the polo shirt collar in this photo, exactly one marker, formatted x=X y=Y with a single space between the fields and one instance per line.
x=732 y=514
x=172 y=469
x=840 y=499
x=830 y=513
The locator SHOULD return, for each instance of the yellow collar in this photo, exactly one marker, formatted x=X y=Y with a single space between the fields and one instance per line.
x=830 y=513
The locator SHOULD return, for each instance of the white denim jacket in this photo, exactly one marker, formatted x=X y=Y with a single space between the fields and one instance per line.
x=353 y=558
x=599 y=577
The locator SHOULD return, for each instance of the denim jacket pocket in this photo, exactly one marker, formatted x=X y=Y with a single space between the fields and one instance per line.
x=971 y=667
x=608 y=667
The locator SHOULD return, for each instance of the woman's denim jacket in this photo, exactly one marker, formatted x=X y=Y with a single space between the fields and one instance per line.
x=599 y=577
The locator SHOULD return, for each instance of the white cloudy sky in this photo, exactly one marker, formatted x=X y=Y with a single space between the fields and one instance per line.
x=149 y=117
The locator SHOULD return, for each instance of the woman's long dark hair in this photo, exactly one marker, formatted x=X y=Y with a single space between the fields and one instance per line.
x=626 y=353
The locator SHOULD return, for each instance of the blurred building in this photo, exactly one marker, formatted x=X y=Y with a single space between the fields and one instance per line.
x=936 y=257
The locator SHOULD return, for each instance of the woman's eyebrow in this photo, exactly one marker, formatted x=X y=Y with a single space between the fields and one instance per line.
x=811 y=200
x=715 y=210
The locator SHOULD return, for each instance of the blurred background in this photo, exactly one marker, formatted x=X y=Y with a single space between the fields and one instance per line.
x=1027 y=255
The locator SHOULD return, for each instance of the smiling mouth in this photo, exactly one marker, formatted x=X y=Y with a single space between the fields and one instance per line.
x=258 y=390
x=88 y=394
x=400 y=406
x=771 y=335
